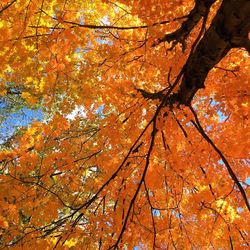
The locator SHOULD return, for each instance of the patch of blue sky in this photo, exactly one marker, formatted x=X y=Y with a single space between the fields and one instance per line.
x=243 y=184
x=2 y=105
x=82 y=19
x=247 y=181
x=240 y=209
x=197 y=101
x=221 y=116
x=213 y=102
x=79 y=111
x=99 y=111
x=78 y=50
x=104 y=41
x=220 y=162
x=177 y=214
x=139 y=247
x=208 y=127
x=21 y=118
x=156 y=212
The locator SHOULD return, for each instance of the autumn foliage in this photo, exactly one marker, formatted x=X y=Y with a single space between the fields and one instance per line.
x=144 y=141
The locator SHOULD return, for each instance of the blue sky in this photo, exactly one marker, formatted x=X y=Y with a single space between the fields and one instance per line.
x=14 y=120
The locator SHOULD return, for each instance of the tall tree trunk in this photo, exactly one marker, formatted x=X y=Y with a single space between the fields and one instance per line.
x=229 y=29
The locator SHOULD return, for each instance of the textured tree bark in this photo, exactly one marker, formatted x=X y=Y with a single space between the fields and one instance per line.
x=200 y=10
x=229 y=29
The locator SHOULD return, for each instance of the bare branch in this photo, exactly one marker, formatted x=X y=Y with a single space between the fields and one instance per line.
x=199 y=128
x=200 y=9
x=7 y=6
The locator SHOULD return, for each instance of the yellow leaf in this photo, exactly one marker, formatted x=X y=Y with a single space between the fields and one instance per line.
x=3 y=92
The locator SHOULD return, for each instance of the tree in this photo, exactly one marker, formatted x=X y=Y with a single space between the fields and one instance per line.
x=144 y=144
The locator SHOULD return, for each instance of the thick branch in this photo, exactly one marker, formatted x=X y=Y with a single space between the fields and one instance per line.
x=152 y=96
x=229 y=29
x=200 y=9
x=199 y=128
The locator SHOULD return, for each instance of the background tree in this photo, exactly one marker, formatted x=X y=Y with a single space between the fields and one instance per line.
x=144 y=144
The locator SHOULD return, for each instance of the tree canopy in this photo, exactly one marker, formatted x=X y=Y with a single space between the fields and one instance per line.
x=144 y=141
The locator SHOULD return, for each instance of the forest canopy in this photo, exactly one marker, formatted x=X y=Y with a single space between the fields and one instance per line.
x=142 y=139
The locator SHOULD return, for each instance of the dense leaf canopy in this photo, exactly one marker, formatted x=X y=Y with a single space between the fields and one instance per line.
x=144 y=138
